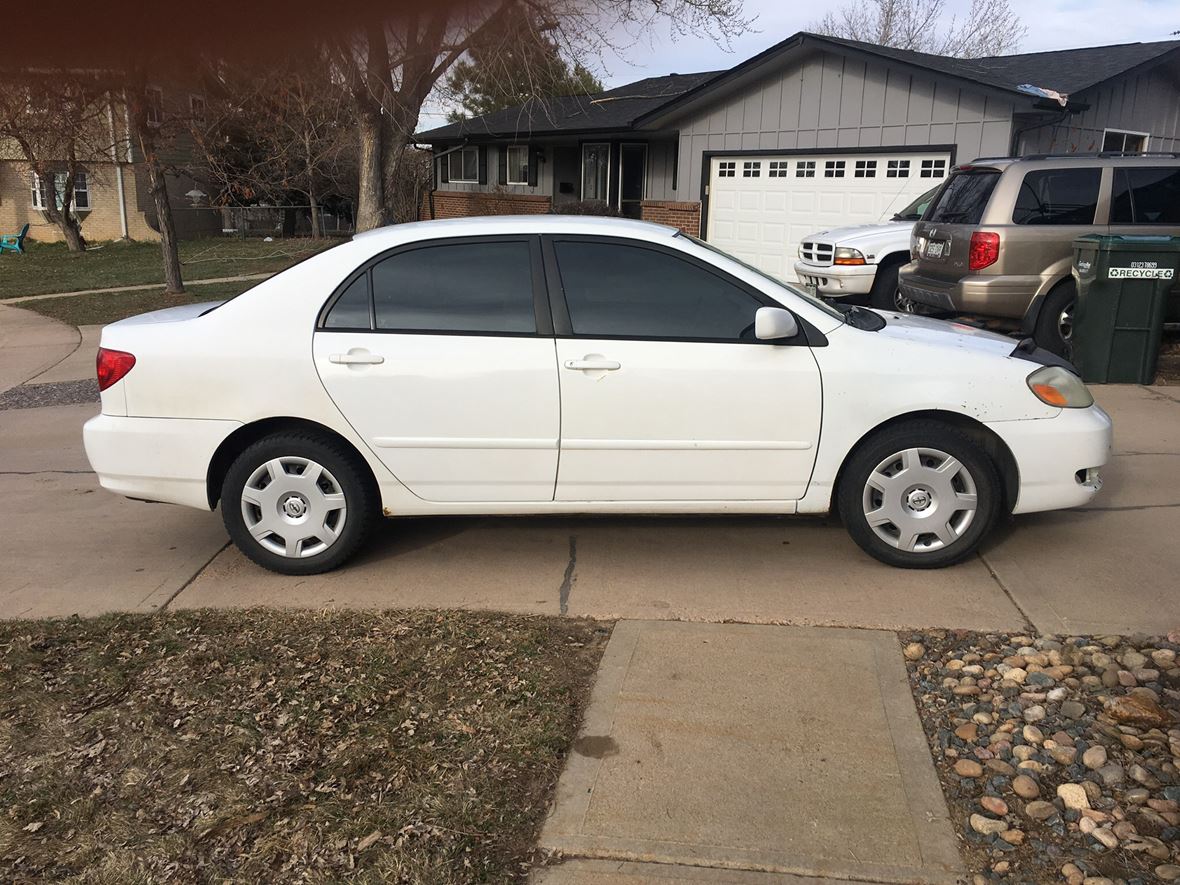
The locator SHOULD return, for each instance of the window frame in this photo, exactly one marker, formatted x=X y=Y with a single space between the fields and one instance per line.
x=541 y=312
x=460 y=153
x=153 y=105
x=1121 y=176
x=582 y=168
x=834 y=168
x=1057 y=170
x=559 y=310
x=37 y=191
x=1146 y=136
x=195 y=99
x=508 y=149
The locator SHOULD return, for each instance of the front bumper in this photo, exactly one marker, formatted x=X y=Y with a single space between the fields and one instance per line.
x=837 y=280
x=155 y=459
x=995 y=296
x=1058 y=458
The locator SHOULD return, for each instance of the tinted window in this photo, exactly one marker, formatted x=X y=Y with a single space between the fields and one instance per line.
x=1057 y=196
x=612 y=289
x=458 y=287
x=964 y=197
x=1148 y=195
x=351 y=310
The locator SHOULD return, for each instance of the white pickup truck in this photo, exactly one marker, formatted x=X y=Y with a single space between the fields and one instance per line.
x=862 y=259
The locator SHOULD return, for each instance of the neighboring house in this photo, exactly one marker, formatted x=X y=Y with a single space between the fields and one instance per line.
x=111 y=197
x=814 y=132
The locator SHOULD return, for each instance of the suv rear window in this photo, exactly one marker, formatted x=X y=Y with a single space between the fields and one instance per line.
x=1058 y=196
x=1148 y=195
x=964 y=197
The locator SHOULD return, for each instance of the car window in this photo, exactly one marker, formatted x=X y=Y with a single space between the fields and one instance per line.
x=964 y=197
x=1058 y=196
x=1146 y=195
x=456 y=287
x=916 y=209
x=619 y=290
x=351 y=310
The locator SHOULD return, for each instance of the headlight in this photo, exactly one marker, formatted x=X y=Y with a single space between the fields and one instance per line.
x=1056 y=386
x=844 y=255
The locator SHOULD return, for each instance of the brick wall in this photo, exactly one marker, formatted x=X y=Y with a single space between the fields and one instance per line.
x=686 y=216
x=464 y=204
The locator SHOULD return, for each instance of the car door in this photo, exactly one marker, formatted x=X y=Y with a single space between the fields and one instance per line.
x=665 y=393
x=441 y=356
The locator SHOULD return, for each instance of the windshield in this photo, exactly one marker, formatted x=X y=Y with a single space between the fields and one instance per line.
x=915 y=210
x=810 y=299
x=964 y=197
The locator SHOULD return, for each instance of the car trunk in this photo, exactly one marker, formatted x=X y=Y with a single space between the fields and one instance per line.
x=942 y=239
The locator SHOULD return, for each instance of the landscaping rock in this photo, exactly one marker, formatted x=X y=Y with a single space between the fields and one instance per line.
x=1074 y=796
x=986 y=825
x=1025 y=787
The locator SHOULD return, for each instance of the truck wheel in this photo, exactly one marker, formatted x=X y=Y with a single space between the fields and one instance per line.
x=885 y=294
x=1054 y=329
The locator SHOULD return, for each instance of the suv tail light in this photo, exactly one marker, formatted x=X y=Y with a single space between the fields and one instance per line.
x=985 y=249
x=112 y=366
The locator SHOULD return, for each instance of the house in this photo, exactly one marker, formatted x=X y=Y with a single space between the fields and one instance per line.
x=813 y=132
x=112 y=199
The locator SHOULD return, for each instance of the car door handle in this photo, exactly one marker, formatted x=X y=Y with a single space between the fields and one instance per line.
x=356 y=358
x=593 y=365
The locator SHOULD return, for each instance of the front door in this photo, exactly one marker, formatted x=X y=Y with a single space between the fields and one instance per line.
x=441 y=358
x=665 y=393
x=632 y=179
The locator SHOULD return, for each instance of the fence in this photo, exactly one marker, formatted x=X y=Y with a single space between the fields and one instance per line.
x=284 y=221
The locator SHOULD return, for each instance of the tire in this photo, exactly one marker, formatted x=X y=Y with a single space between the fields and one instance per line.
x=301 y=527
x=872 y=483
x=1054 y=329
x=885 y=294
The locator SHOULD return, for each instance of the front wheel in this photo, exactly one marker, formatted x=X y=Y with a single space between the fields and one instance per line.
x=886 y=294
x=919 y=495
x=297 y=503
x=1054 y=330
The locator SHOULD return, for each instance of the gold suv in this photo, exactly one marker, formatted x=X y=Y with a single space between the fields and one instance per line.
x=997 y=240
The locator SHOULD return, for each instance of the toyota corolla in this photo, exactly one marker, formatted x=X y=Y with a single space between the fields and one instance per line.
x=578 y=365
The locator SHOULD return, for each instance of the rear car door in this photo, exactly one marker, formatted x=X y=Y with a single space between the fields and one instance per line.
x=441 y=356
x=1145 y=200
x=666 y=394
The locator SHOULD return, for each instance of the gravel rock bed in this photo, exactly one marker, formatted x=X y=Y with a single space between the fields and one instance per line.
x=61 y=393
x=1058 y=755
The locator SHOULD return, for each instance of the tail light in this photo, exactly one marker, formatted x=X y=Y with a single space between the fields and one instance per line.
x=985 y=249
x=112 y=366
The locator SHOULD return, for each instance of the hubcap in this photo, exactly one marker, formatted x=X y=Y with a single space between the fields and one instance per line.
x=919 y=500
x=1065 y=321
x=294 y=507
x=903 y=304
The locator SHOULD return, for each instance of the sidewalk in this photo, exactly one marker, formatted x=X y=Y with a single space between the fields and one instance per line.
x=138 y=288
x=31 y=344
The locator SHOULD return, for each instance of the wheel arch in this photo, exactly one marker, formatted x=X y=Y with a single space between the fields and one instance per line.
x=979 y=433
x=1028 y=324
x=897 y=256
x=248 y=434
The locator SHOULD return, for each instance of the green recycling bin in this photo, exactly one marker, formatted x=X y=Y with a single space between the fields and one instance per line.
x=1123 y=285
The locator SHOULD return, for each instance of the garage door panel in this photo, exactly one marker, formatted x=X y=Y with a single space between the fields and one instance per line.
x=762 y=219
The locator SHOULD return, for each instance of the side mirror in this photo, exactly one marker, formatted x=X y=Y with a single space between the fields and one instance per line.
x=774 y=323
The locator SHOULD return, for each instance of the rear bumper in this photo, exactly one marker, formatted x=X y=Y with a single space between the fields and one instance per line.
x=837 y=280
x=997 y=296
x=156 y=459
x=1051 y=453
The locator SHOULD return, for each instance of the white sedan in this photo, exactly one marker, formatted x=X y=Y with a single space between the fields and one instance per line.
x=577 y=365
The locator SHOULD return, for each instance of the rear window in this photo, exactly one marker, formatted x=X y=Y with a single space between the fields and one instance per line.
x=1146 y=195
x=1058 y=196
x=964 y=197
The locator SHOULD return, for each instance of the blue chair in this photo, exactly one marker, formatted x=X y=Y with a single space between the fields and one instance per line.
x=9 y=243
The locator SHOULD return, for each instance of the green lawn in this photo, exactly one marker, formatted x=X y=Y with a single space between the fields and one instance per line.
x=84 y=310
x=50 y=267
x=262 y=746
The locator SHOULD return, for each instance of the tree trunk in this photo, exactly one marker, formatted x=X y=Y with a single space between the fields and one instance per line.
x=315 y=215
x=173 y=285
x=72 y=232
x=370 y=206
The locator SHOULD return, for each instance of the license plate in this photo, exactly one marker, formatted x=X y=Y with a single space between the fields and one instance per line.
x=934 y=249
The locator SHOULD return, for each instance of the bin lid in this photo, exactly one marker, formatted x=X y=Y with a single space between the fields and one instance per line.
x=1129 y=242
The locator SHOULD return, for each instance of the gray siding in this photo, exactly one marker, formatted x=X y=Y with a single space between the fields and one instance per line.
x=661 y=158
x=1146 y=102
x=827 y=100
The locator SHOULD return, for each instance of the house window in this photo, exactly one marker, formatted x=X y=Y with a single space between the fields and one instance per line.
x=752 y=169
x=833 y=169
x=933 y=169
x=778 y=169
x=1124 y=142
x=897 y=169
x=463 y=165
x=726 y=169
x=196 y=107
x=595 y=171
x=40 y=192
x=518 y=164
x=805 y=169
x=865 y=169
x=154 y=110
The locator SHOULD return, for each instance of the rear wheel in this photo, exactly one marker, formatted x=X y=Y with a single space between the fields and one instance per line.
x=886 y=294
x=919 y=495
x=297 y=503
x=1054 y=330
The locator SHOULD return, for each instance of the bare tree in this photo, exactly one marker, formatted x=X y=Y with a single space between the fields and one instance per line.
x=392 y=65
x=990 y=27
x=57 y=120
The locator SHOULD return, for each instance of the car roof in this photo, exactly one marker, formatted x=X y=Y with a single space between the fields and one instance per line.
x=491 y=225
x=1112 y=159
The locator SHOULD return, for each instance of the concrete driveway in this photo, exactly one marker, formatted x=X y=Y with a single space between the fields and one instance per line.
x=75 y=549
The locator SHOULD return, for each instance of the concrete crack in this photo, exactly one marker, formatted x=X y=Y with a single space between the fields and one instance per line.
x=1028 y=623
x=567 y=582
x=39 y=472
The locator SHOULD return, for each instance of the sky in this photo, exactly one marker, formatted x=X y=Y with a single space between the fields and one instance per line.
x=1052 y=24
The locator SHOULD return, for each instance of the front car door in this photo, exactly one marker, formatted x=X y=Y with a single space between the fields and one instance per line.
x=441 y=356
x=666 y=395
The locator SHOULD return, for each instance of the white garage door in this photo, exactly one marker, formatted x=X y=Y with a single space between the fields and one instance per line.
x=761 y=207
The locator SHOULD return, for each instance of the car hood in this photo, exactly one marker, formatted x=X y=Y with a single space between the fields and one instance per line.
x=854 y=232
x=170 y=314
x=943 y=333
